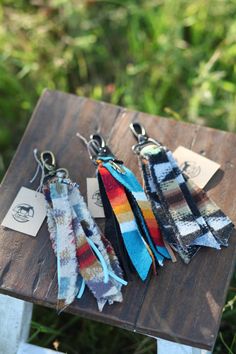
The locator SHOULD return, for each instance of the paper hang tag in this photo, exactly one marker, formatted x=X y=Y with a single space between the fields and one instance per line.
x=197 y=167
x=94 y=198
x=26 y=213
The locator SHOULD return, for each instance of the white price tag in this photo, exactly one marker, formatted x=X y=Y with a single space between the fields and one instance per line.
x=27 y=212
x=94 y=198
x=195 y=166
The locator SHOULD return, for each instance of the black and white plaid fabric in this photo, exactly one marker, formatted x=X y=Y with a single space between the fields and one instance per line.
x=188 y=218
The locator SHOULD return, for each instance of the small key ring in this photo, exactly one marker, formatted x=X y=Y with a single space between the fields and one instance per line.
x=137 y=129
x=99 y=139
x=97 y=148
x=141 y=136
x=63 y=170
x=50 y=166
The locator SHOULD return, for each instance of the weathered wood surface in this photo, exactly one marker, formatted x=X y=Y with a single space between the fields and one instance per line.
x=183 y=303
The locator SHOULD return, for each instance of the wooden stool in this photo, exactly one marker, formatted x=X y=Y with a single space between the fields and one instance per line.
x=182 y=304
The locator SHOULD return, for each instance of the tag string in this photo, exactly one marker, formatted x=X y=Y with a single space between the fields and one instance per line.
x=92 y=145
x=40 y=166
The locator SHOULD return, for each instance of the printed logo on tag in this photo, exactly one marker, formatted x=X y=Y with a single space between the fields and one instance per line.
x=26 y=213
x=94 y=198
x=195 y=166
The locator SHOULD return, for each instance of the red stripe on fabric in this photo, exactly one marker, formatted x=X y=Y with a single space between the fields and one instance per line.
x=113 y=189
x=86 y=259
x=156 y=236
x=85 y=255
x=86 y=262
x=83 y=248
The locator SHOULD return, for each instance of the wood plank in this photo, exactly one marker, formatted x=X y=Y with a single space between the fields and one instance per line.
x=183 y=303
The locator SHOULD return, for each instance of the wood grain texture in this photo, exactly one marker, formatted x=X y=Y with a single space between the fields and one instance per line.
x=183 y=303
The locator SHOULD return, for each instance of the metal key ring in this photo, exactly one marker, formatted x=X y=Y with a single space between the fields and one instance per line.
x=48 y=163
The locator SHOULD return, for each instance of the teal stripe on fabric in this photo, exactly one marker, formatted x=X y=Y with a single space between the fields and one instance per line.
x=81 y=290
x=120 y=280
x=158 y=256
x=134 y=245
x=162 y=250
x=58 y=263
x=128 y=180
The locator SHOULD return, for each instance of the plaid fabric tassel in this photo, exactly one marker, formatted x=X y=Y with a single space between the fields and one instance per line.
x=84 y=255
x=188 y=218
x=137 y=223
x=219 y=224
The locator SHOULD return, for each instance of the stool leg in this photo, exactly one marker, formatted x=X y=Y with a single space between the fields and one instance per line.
x=15 y=317
x=167 y=347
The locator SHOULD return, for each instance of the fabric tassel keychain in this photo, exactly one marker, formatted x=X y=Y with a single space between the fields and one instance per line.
x=84 y=256
x=136 y=222
x=187 y=217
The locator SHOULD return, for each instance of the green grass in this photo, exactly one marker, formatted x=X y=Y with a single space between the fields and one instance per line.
x=175 y=58
x=75 y=335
